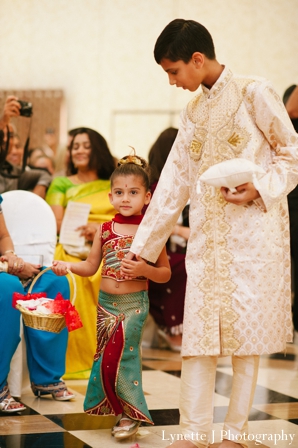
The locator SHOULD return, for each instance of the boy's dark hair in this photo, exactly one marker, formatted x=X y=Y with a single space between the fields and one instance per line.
x=181 y=39
x=101 y=158
x=133 y=165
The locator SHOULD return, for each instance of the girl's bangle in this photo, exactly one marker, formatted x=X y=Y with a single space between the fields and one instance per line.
x=10 y=251
x=3 y=266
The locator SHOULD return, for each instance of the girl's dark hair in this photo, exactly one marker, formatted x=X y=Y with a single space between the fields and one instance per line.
x=180 y=39
x=133 y=165
x=101 y=158
x=159 y=152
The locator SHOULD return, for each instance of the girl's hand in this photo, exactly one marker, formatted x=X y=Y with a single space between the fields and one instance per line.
x=129 y=256
x=88 y=231
x=61 y=267
x=133 y=268
x=245 y=193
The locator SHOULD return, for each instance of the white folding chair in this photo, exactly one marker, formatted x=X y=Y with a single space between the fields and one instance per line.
x=31 y=224
x=32 y=227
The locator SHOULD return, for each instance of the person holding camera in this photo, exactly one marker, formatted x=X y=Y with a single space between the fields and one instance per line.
x=14 y=177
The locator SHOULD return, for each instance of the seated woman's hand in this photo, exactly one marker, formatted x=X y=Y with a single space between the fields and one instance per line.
x=88 y=231
x=28 y=271
x=15 y=264
x=60 y=267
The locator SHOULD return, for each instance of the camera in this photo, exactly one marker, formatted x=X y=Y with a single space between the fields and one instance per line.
x=26 y=108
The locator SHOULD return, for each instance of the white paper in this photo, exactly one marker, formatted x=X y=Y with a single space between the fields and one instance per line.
x=76 y=215
x=32 y=258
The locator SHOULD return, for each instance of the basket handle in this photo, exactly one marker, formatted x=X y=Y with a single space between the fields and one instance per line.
x=48 y=269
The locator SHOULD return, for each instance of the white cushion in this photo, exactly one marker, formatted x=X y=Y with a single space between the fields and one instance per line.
x=231 y=173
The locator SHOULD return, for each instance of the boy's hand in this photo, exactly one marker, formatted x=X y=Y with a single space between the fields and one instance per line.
x=245 y=193
x=133 y=268
x=61 y=267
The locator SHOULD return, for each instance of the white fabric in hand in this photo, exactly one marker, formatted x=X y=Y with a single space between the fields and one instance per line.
x=231 y=173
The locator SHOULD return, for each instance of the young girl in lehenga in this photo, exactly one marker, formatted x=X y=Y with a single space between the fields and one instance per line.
x=115 y=384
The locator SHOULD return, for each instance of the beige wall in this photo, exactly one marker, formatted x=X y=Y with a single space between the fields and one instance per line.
x=100 y=53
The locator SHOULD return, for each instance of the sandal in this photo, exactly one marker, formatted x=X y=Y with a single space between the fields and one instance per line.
x=9 y=404
x=123 y=432
x=58 y=391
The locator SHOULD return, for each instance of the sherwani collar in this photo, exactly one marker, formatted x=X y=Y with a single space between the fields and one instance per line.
x=219 y=85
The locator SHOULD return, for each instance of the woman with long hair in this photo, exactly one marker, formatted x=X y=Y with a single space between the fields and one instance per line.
x=90 y=166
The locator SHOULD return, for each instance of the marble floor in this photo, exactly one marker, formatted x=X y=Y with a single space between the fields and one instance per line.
x=273 y=420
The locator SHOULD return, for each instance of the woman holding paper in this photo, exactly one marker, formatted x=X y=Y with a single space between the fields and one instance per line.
x=91 y=165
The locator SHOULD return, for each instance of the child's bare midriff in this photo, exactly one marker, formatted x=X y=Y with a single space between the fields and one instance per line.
x=111 y=286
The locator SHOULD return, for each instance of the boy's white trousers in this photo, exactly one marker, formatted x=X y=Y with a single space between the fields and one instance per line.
x=197 y=398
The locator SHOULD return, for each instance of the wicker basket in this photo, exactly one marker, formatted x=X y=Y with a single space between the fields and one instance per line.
x=46 y=322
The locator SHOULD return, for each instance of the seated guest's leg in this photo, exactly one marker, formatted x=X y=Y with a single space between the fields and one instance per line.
x=10 y=323
x=10 y=337
x=46 y=350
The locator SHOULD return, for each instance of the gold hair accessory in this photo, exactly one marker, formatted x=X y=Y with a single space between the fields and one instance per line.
x=132 y=158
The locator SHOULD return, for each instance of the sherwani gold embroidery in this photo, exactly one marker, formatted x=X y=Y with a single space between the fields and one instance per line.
x=238 y=296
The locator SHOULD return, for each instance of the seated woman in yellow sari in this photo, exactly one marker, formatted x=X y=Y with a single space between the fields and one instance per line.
x=90 y=166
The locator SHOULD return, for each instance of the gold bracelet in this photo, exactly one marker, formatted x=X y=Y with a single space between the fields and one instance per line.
x=10 y=251
x=3 y=266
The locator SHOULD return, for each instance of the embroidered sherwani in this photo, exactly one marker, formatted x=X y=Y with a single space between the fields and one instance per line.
x=238 y=296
